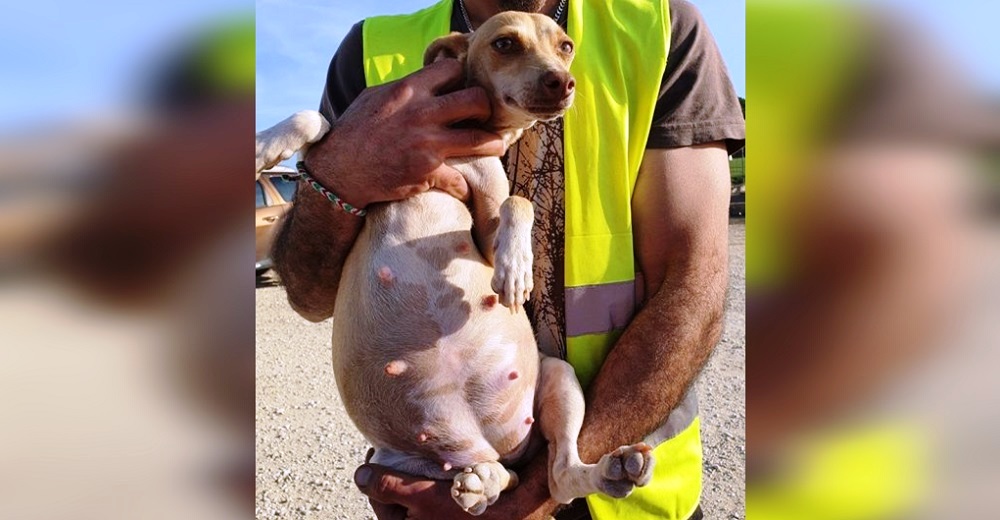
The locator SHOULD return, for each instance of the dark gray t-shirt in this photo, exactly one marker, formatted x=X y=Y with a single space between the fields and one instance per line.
x=697 y=105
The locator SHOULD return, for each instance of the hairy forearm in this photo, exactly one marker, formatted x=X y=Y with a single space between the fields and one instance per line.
x=310 y=250
x=657 y=358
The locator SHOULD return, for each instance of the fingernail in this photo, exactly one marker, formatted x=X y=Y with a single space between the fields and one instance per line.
x=363 y=476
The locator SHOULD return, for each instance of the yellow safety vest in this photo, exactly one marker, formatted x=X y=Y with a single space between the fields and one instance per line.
x=621 y=55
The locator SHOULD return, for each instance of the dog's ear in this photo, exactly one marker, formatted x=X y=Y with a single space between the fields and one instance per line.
x=455 y=45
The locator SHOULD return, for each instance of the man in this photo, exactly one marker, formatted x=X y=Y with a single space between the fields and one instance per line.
x=660 y=310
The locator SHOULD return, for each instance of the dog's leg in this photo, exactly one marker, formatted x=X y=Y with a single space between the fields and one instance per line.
x=512 y=275
x=501 y=227
x=282 y=140
x=560 y=413
x=480 y=485
x=488 y=189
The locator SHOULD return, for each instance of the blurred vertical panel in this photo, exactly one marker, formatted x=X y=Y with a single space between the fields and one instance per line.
x=873 y=260
x=126 y=297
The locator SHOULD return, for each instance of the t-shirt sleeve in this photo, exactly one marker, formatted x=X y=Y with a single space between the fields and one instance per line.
x=345 y=78
x=697 y=102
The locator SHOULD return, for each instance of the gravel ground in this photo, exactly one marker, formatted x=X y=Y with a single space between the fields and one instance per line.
x=307 y=448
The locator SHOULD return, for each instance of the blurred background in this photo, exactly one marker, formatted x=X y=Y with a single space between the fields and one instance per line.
x=873 y=260
x=126 y=320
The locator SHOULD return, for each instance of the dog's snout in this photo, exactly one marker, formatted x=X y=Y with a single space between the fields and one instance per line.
x=557 y=84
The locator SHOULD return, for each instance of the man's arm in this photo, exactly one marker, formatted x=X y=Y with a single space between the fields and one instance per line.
x=310 y=250
x=680 y=219
x=391 y=143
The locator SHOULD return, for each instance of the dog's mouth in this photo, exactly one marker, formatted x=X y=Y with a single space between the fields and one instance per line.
x=548 y=112
x=541 y=111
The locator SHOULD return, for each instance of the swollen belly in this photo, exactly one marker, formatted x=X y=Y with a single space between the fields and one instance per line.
x=426 y=360
x=454 y=404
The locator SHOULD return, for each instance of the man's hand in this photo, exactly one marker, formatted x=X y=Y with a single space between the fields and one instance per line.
x=398 y=496
x=392 y=141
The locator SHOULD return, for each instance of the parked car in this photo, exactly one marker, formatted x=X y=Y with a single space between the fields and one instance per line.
x=275 y=194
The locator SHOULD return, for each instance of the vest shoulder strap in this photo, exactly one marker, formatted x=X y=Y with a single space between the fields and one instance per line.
x=394 y=45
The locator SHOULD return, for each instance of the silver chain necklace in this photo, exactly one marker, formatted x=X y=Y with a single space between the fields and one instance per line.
x=468 y=22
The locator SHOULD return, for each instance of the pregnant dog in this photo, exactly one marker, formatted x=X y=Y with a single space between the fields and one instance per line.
x=435 y=363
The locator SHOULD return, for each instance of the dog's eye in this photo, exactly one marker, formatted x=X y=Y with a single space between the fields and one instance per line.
x=503 y=44
x=566 y=47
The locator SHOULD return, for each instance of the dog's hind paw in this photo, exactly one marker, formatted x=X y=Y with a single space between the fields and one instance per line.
x=282 y=140
x=479 y=486
x=624 y=469
x=268 y=158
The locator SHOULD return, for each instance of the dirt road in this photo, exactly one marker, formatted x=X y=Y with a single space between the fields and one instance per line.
x=307 y=448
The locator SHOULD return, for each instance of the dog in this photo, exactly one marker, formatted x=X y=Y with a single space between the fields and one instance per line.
x=433 y=370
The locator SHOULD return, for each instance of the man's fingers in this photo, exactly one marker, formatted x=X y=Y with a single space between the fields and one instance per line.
x=469 y=103
x=383 y=485
x=441 y=76
x=448 y=179
x=468 y=142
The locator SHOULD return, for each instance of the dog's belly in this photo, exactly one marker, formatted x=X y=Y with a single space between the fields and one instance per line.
x=427 y=362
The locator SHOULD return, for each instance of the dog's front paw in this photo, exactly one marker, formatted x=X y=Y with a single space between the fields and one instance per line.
x=624 y=469
x=512 y=277
x=480 y=485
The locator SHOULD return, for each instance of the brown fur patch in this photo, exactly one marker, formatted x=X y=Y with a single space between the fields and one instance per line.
x=417 y=315
x=438 y=257
x=450 y=297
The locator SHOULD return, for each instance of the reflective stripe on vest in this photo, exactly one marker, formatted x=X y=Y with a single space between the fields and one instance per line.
x=621 y=55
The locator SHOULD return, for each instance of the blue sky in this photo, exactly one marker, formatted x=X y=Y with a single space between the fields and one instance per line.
x=297 y=38
x=66 y=60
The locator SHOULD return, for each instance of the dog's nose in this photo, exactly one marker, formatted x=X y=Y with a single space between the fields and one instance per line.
x=558 y=84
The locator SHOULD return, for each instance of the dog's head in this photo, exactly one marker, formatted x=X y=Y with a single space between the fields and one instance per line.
x=522 y=60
